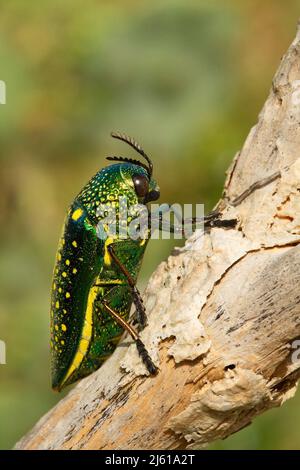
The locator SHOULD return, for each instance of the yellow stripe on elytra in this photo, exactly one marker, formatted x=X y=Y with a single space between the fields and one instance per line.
x=77 y=214
x=86 y=336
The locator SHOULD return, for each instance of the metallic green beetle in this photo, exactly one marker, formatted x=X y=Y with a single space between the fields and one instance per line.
x=94 y=277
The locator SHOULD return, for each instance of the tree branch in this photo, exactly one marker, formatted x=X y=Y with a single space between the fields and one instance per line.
x=223 y=314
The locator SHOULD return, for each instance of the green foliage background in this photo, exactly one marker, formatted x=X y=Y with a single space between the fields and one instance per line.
x=186 y=78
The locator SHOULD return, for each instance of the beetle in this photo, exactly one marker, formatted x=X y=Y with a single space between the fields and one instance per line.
x=94 y=280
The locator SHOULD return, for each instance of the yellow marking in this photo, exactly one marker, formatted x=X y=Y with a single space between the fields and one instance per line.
x=86 y=336
x=56 y=327
x=83 y=345
x=64 y=310
x=74 y=271
x=77 y=214
x=59 y=256
x=143 y=242
x=68 y=295
x=57 y=304
x=62 y=342
x=63 y=327
x=56 y=338
x=54 y=286
x=64 y=274
x=107 y=257
x=67 y=262
x=74 y=243
x=60 y=289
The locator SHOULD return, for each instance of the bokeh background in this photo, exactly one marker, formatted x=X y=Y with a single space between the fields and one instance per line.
x=186 y=78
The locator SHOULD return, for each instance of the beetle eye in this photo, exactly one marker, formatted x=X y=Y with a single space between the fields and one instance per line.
x=141 y=185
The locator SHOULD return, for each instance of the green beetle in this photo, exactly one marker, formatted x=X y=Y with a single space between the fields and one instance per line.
x=94 y=281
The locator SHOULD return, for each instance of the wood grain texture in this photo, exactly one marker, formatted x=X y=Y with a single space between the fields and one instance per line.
x=224 y=312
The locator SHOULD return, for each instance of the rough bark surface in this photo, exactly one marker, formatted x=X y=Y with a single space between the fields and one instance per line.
x=224 y=312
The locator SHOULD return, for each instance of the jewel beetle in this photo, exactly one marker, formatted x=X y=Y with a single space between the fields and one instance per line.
x=94 y=280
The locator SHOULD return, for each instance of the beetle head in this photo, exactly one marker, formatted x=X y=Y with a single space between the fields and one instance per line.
x=144 y=185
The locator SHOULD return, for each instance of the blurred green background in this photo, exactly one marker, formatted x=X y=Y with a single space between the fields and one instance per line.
x=186 y=78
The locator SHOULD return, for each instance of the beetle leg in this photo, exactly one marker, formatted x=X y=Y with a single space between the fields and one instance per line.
x=137 y=299
x=152 y=369
x=213 y=219
x=209 y=221
x=109 y=282
x=239 y=199
x=257 y=185
x=225 y=223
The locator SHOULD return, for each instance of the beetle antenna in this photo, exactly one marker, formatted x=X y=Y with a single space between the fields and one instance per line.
x=136 y=146
x=128 y=160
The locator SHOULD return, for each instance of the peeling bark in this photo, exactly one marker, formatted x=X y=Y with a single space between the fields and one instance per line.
x=223 y=314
